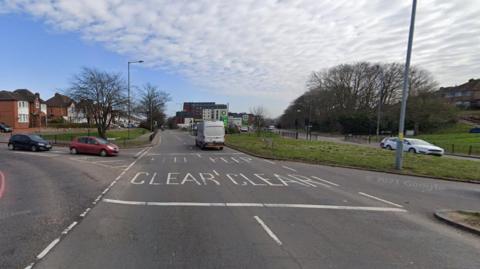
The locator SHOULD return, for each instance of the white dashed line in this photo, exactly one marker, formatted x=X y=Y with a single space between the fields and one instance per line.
x=216 y=173
x=289 y=168
x=379 y=199
x=269 y=232
x=268 y=161
x=69 y=228
x=48 y=248
x=326 y=181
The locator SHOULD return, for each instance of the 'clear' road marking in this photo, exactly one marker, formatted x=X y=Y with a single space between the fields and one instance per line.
x=305 y=206
x=291 y=169
x=379 y=199
x=326 y=181
x=48 y=248
x=269 y=232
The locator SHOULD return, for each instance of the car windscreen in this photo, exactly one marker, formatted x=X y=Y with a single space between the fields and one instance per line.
x=36 y=138
x=214 y=131
x=419 y=142
x=102 y=141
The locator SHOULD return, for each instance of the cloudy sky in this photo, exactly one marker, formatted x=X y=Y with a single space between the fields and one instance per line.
x=244 y=52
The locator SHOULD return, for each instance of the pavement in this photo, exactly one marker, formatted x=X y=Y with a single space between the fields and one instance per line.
x=175 y=206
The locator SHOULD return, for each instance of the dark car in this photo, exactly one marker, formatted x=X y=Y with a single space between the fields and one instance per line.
x=475 y=130
x=93 y=145
x=29 y=142
x=5 y=128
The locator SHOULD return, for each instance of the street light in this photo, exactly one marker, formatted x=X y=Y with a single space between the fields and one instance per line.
x=128 y=125
x=401 y=127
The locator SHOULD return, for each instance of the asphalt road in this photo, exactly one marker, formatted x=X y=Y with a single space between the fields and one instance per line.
x=175 y=206
x=41 y=193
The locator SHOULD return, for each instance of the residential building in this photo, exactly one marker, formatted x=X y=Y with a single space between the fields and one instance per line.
x=196 y=108
x=466 y=95
x=201 y=111
x=61 y=106
x=22 y=109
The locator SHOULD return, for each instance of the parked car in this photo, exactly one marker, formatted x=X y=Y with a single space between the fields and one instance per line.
x=475 y=130
x=244 y=129
x=414 y=146
x=93 y=145
x=5 y=128
x=29 y=142
x=384 y=141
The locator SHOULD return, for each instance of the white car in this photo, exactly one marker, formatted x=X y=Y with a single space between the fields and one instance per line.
x=414 y=146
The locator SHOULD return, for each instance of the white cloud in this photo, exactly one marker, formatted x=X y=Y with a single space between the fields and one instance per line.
x=268 y=48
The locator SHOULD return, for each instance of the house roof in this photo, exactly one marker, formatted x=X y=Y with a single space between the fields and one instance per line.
x=59 y=100
x=19 y=95
x=9 y=96
x=471 y=85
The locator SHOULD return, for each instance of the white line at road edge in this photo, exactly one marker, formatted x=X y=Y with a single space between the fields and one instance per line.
x=48 y=248
x=379 y=199
x=269 y=232
x=291 y=169
x=265 y=205
x=84 y=213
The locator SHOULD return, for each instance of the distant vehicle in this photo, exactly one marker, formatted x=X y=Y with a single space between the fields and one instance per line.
x=210 y=134
x=29 y=142
x=244 y=129
x=384 y=140
x=271 y=128
x=5 y=128
x=93 y=145
x=414 y=146
x=475 y=130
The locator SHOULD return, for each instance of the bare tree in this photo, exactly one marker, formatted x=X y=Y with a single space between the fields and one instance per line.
x=101 y=93
x=259 y=114
x=152 y=104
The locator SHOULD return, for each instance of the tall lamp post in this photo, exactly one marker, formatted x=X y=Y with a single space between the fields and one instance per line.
x=401 y=127
x=128 y=125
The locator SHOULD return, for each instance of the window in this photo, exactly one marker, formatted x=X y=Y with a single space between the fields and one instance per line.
x=22 y=118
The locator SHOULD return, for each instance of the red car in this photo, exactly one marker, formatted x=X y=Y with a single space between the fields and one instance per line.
x=93 y=145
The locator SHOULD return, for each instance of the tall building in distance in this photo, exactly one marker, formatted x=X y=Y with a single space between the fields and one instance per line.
x=197 y=111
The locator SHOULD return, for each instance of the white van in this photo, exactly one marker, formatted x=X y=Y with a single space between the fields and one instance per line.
x=210 y=134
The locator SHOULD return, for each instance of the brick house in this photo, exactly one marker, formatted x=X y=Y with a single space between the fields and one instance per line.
x=22 y=109
x=61 y=106
x=466 y=95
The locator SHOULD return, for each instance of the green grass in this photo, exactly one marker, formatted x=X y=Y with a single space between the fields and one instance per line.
x=119 y=134
x=354 y=156
x=455 y=139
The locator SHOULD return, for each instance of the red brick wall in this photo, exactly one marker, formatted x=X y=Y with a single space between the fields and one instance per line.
x=9 y=114
x=56 y=112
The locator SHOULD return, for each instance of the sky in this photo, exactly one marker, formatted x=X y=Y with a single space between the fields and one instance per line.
x=245 y=53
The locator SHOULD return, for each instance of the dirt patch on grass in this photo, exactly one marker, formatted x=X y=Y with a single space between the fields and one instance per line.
x=469 y=218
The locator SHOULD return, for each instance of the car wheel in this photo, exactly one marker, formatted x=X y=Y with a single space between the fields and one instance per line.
x=388 y=147
x=73 y=151
x=412 y=150
x=103 y=153
x=11 y=146
x=34 y=148
x=221 y=148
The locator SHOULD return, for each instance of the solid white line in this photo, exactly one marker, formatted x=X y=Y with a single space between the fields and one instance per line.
x=286 y=167
x=268 y=161
x=379 y=199
x=139 y=153
x=174 y=159
x=30 y=266
x=235 y=160
x=69 y=227
x=305 y=206
x=269 y=232
x=326 y=181
x=48 y=248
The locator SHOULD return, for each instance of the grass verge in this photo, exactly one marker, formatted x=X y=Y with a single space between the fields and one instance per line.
x=321 y=152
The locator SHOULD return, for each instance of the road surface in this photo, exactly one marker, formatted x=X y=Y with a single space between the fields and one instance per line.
x=175 y=206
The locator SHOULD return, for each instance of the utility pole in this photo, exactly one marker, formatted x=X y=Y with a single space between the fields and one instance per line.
x=401 y=127
x=380 y=100
x=128 y=85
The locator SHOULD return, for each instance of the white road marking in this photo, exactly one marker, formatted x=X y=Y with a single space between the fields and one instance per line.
x=184 y=159
x=48 y=248
x=199 y=156
x=85 y=212
x=30 y=266
x=175 y=159
x=379 y=199
x=223 y=159
x=140 y=152
x=289 y=168
x=268 y=161
x=326 y=181
x=305 y=206
x=235 y=160
x=216 y=173
x=69 y=228
x=269 y=232
x=212 y=159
